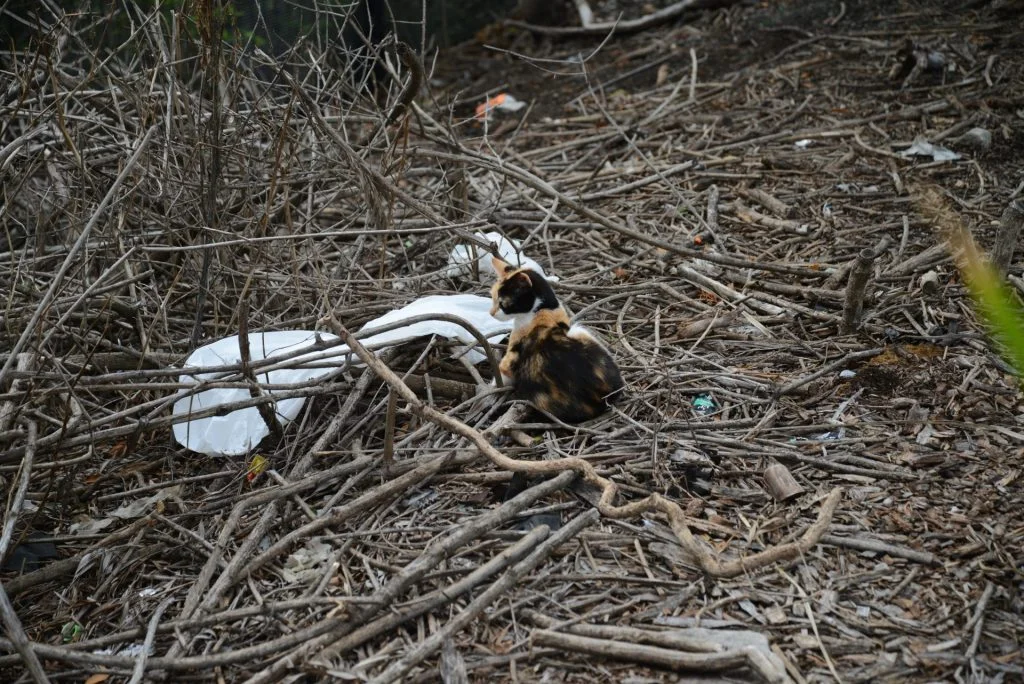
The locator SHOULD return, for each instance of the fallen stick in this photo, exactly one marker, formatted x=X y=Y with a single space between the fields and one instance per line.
x=769 y=202
x=68 y=566
x=881 y=547
x=726 y=292
x=19 y=640
x=51 y=291
x=856 y=286
x=268 y=414
x=326 y=630
x=828 y=368
x=8 y=616
x=919 y=262
x=664 y=15
x=323 y=642
x=191 y=626
x=648 y=655
x=836 y=467
x=679 y=641
x=977 y=620
x=374 y=497
x=432 y=643
x=444 y=596
x=751 y=215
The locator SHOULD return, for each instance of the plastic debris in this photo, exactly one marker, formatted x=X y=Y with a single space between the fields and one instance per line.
x=306 y=564
x=803 y=144
x=552 y=520
x=502 y=102
x=923 y=148
x=847 y=374
x=703 y=404
x=257 y=465
x=71 y=632
x=853 y=187
x=689 y=457
x=30 y=555
x=140 y=507
x=421 y=499
x=130 y=651
x=240 y=431
x=460 y=261
x=129 y=511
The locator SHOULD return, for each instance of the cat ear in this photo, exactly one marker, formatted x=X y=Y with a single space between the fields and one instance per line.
x=499 y=266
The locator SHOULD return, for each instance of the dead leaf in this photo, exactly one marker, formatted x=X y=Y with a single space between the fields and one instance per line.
x=139 y=507
x=97 y=678
x=662 y=75
x=87 y=525
x=775 y=614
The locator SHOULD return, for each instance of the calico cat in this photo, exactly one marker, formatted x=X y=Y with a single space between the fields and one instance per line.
x=561 y=370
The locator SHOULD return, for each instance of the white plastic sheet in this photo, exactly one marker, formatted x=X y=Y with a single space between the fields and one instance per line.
x=241 y=430
x=923 y=148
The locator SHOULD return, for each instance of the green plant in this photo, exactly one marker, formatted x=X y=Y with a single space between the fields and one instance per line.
x=998 y=305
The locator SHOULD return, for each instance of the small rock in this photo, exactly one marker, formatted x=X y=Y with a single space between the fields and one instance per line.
x=977 y=139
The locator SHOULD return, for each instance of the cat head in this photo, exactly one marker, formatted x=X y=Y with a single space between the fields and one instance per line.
x=519 y=291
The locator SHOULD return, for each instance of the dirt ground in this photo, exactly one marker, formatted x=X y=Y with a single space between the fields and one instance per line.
x=703 y=189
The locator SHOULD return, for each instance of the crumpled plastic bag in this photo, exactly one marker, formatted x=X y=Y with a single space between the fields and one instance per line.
x=923 y=148
x=460 y=261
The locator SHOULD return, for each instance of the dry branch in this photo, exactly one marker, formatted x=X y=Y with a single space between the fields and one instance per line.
x=428 y=646
x=880 y=547
x=618 y=188
x=649 y=655
x=331 y=638
x=69 y=260
x=855 y=289
x=661 y=16
x=683 y=642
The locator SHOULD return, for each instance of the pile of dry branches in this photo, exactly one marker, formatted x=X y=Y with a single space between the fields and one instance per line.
x=742 y=234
